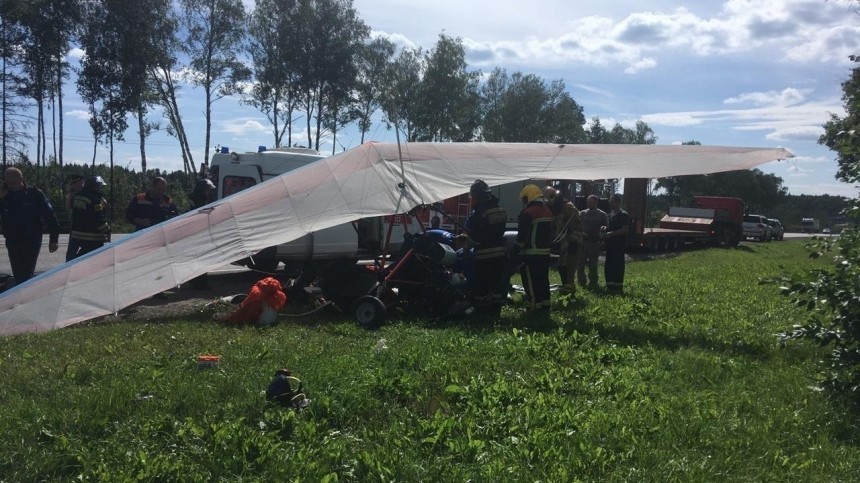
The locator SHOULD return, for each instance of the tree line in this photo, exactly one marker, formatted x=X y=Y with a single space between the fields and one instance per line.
x=309 y=66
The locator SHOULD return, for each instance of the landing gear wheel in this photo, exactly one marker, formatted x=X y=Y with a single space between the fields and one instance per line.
x=369 y=312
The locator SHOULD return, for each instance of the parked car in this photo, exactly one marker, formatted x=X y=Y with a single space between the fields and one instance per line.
x=826 y=231
x=777 y=230
x=756 y=226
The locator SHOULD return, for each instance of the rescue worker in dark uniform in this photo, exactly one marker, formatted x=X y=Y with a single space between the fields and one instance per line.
x=22 y=210
x=76 y=184
x=615 y=240
x=534 y=237
x=485 y=229
x=151 y=207
x=90 y=228
x=204 y=193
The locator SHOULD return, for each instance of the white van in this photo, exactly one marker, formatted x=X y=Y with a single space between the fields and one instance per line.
x=233 y=172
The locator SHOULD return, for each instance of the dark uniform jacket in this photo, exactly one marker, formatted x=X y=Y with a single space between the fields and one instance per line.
x=486 y=228
x=535 y=229
x=617 y=221
x=89 y=220
x=156 y=211
x=22 y=213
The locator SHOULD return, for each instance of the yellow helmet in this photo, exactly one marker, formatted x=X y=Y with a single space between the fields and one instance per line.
x=530 y=192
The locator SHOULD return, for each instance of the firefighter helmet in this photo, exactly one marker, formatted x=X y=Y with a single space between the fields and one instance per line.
x=530 y=193
x=94 y=182
x=479 y=187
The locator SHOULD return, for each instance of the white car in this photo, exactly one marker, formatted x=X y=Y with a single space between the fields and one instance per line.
x=778 y=231
x=756 y=226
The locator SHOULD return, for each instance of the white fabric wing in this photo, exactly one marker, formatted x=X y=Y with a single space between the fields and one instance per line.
x=367 y=181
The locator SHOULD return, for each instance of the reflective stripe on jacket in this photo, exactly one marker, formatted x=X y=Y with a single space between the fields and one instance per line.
x=535 y=229
x=89 y=220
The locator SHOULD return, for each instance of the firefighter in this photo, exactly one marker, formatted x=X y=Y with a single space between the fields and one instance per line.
x=615 y=239
x=568 y=235
x=76 y=184
x=151 y=207
x=90 y=228
x=22 y=209
x=485 y=229
x=534 y=237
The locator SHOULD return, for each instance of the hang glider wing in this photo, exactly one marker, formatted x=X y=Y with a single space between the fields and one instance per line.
x=370 y=180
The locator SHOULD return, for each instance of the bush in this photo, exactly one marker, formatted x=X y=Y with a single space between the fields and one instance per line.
x=832 y=298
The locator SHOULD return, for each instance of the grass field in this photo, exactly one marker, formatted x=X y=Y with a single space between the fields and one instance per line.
x=680 y=379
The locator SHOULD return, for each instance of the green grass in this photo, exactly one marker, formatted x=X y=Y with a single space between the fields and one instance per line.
x=680 y=379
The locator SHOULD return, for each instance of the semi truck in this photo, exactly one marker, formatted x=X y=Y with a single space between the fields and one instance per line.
x=809 y=225
x=712 y=220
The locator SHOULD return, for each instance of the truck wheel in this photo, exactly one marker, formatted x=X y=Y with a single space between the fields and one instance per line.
x=369 y=312
x=734 y=238
x=719 y=238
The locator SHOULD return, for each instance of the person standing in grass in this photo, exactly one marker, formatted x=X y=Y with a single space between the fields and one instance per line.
x=592 y=218
x=76 y=184
x=534 y=237
x=485 y=229
x=23 y=208
x=615 y=238
x=568 y=235
x=90 y=228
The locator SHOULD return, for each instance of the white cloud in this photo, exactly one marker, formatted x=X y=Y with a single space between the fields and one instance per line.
x=76 y=53
x=796 y=133
x=79 y=114
x=675 y=118
x=804 y=31
x=242 y=127
x=787 y=97
x=594 y=90
x=398 y=39
x=832 y=189
x=642 y=64
x=794 y=122
x=810 y=159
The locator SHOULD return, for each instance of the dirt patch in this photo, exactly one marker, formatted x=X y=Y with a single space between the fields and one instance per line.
x=185 y=301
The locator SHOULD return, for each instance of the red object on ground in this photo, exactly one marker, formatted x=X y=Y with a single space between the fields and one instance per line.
x=267 y=291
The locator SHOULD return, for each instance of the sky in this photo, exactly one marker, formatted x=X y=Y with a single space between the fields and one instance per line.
x=762 y=73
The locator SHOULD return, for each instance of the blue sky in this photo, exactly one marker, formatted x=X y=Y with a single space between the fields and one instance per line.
x=740 y=72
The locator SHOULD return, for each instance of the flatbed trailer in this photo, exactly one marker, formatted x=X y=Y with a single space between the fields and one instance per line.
x=715 y=221
x=667 y=239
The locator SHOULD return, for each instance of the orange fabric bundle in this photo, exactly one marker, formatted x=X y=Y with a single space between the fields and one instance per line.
x=266 y=292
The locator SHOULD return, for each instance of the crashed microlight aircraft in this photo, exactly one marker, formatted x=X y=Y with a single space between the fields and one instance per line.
x=375 y=179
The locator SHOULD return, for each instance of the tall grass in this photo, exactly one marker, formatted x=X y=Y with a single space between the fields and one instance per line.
x=680 y=379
